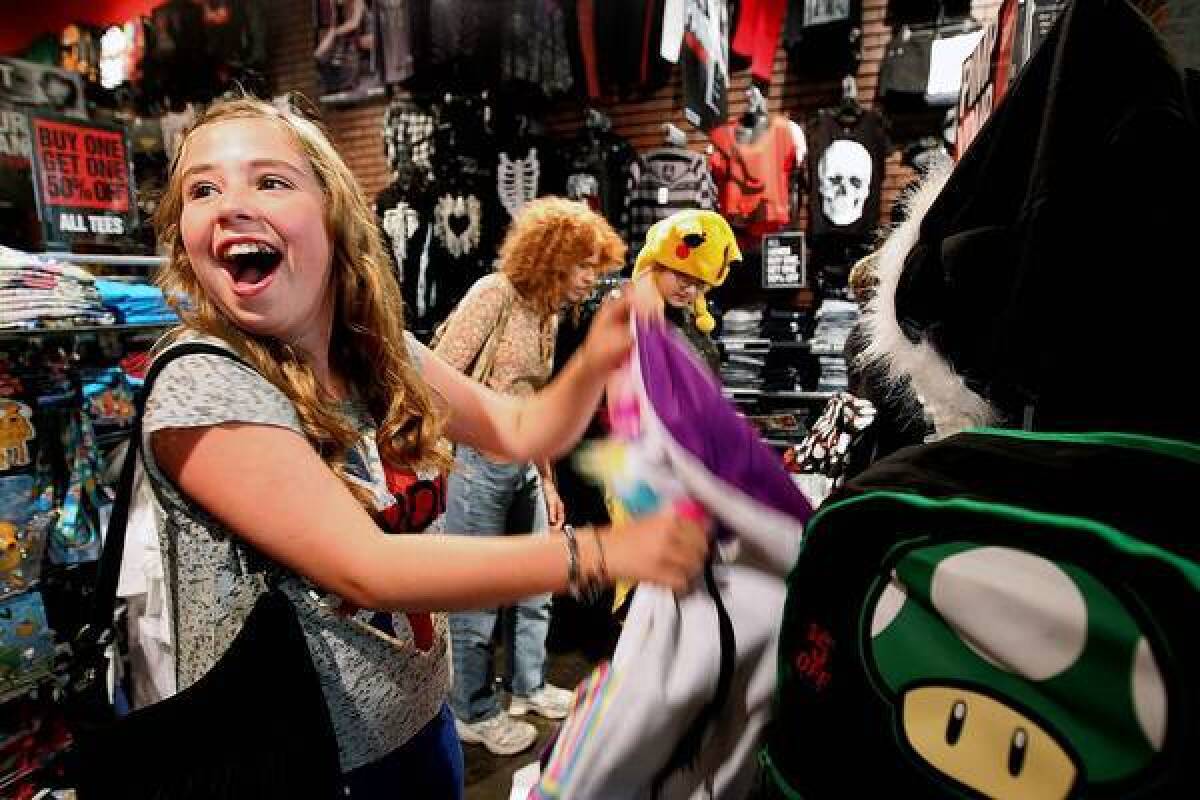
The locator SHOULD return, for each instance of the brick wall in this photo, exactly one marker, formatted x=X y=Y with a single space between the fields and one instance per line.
x=357 y=130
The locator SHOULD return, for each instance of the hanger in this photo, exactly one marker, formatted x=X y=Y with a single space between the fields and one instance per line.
x=850 y=110
x=597 y=120
x=674 y=136
x=756 y=108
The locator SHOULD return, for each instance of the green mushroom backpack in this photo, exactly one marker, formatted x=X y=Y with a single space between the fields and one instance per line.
x=999 y=614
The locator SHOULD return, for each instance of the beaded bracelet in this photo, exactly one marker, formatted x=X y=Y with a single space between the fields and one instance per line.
x=573 y=587
x=584 y=588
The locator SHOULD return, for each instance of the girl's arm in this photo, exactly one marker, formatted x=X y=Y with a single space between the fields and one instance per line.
x=268 y=486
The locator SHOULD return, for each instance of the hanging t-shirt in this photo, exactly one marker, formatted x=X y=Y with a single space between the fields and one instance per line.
x=395 y=40
x=825 y=36
x=846 y=173
x=666 y=180
x=757 y=34
x=598 y=168
x=705 y=60
x=753 y=177
x=405 y=212
x=534 y=46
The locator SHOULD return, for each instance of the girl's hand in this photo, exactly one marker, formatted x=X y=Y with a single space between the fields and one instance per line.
x=610 y=338
x=666 y=549
x=648 y=304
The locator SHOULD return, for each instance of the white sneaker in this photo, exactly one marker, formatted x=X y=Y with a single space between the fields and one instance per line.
x=549 y=701
x=501 y=735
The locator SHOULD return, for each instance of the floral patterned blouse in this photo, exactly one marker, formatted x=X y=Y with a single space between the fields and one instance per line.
x=525 y=352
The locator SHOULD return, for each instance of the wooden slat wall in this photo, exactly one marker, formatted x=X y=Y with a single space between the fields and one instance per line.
x=357 y=130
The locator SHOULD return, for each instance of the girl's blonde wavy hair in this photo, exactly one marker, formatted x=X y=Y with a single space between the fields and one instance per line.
x=368 y=345
x=547 y=240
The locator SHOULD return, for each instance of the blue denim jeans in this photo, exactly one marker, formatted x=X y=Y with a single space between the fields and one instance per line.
x=486 y=498
x=428 y=765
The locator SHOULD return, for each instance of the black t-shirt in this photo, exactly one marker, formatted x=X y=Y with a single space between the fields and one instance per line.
x=824 y=36
x=847 y=154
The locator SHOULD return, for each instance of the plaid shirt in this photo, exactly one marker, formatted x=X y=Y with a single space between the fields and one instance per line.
x=408 y=136
x=666 y=180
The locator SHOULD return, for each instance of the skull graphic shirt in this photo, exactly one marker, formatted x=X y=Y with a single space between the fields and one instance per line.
x=846 y=166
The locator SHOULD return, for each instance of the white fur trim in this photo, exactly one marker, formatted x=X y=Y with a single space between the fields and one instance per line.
x=950 y=403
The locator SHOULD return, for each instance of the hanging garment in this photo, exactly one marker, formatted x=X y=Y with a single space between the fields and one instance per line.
x=681 y=710
x=754 y=178
x=846 y=171
x=666 y=180
x=395 y=40
x=599 y=168
x=408 y=136
x=405 y=213
x=517 y=180
x=705 y=61
x=671 y=41
x=655 y=71
x=534 y=46
x=757 y=35
x=824 y=37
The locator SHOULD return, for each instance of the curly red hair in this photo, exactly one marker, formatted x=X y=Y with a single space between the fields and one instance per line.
x=547 y=240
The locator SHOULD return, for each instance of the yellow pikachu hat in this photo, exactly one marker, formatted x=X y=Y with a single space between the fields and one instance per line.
x=696 y=243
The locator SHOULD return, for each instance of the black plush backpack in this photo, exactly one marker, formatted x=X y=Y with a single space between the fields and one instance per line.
x=1000 y=614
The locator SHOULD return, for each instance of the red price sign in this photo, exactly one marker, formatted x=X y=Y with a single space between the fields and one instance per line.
x=80 y=166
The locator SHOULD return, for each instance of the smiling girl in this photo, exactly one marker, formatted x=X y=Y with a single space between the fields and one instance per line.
x=300 y=459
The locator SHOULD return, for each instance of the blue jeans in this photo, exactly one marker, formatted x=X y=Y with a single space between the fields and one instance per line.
x=486 y=498
x=428 y=765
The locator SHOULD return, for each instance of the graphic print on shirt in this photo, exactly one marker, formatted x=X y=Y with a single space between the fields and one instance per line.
x=705 y=59
x=819 y=12
x=517 y=180
x=584 y=188
x=457 y=223
x=400 y=224
x=844 y=181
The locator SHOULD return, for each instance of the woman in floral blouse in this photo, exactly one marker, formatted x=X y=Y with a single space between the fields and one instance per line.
x=549 y=260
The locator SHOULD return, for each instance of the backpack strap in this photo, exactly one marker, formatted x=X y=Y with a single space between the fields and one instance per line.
x=96 y=633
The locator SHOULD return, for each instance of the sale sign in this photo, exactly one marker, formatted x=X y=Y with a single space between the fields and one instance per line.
x=82 y=179
x=986 y=75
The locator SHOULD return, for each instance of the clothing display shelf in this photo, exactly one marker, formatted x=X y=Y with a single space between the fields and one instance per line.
x=762 y=345
x=737 y=394
x=106 y=260
x=81 y=330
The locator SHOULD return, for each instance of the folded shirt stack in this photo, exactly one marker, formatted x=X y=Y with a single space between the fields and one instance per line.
x=742 y=322
x=136 y=303
x=835 y=320
x=40 y=292
x=782 y=325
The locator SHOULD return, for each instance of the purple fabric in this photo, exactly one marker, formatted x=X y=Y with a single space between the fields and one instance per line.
x=689 y=403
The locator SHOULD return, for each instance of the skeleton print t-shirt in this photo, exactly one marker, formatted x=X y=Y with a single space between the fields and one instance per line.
x=384 y=675
x=846 y=166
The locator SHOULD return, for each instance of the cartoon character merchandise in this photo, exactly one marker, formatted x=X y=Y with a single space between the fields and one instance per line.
x=1048 y=683
x=696 y=243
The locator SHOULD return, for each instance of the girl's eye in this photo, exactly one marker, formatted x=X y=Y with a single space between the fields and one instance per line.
x=271 y=182
x=199 y=190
